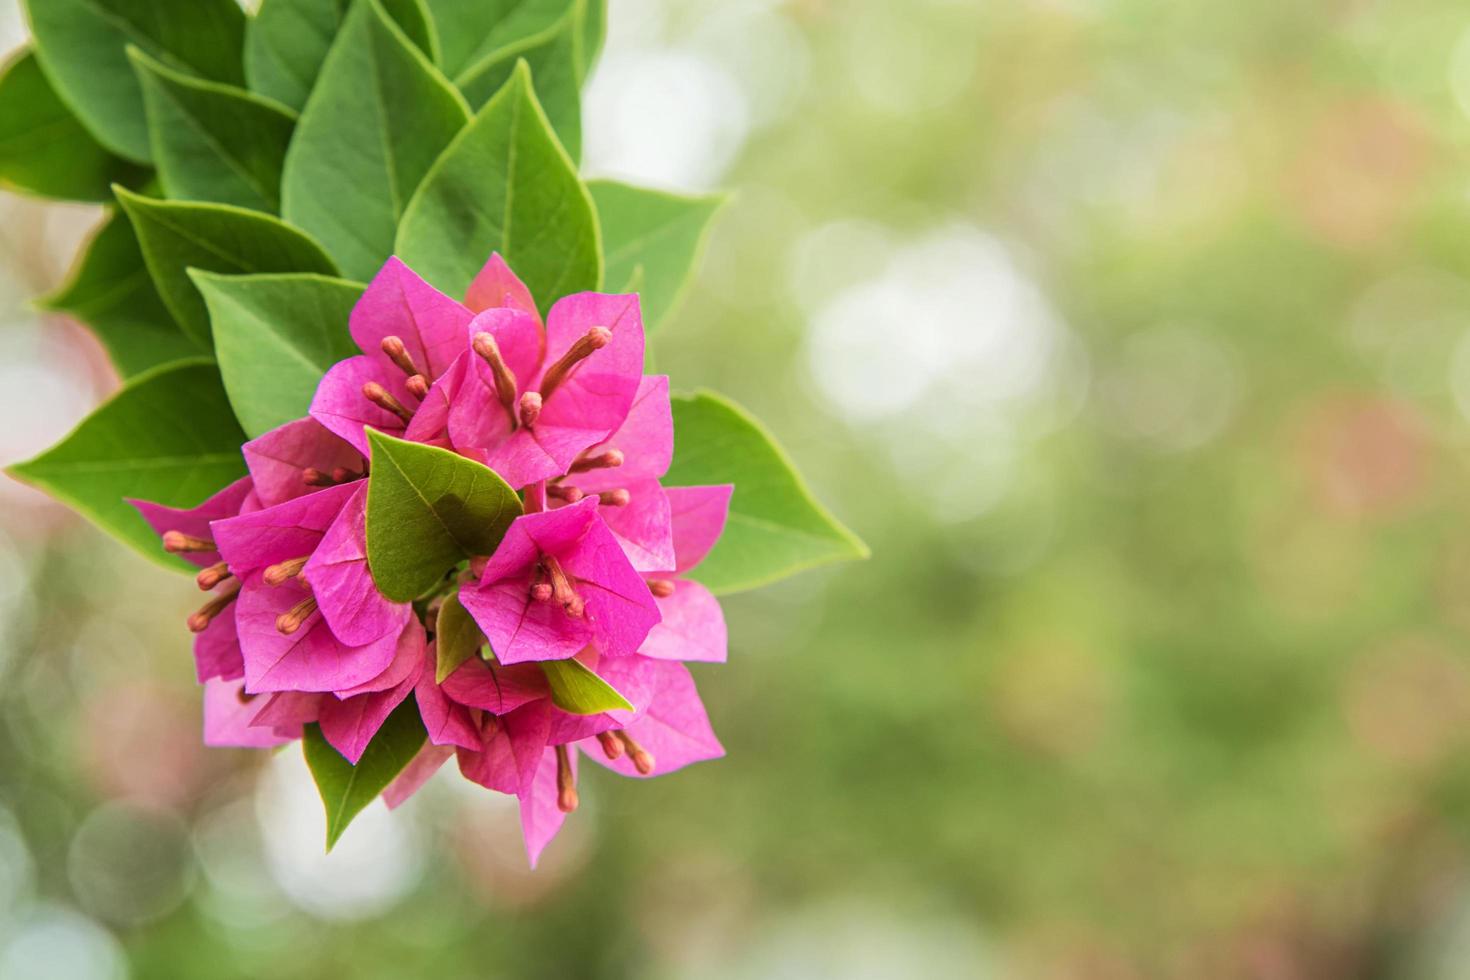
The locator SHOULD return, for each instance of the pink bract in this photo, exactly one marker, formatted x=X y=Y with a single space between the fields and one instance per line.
x=294 y=631
x=617 y=608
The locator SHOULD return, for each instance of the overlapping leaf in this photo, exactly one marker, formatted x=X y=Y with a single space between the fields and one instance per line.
x=213 y=142
x=470 y=33
x=275 y=335
x=177 y=236
x=288 y=39
x=82 y=46
x=378 y=118
x=554 y=55
x=44 y=148
x=505 y=185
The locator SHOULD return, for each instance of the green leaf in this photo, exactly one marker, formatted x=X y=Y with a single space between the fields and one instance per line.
x=470 y=31
x=82 y=47
x=594 y=33
x=167 y=436
x=377 y=120
x=651 y=241
x=44 y=148
x=285 y=45
x=288 y=40
x=412 y=16
x=213 y=142
x=776 y=527
x=275 y=336
x=505 y=184
x=427 y=510
x=576 y=689
x=457 y=637
x=554 y=57
x=110 y=290
x=347 y=789
x=177 y=236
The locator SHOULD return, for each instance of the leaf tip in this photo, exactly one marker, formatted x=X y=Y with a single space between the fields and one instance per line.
x=20 y=472
x=522 y=71
x=124 y=196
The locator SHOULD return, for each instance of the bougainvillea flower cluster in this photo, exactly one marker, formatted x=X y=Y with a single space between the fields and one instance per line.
x=295 y=631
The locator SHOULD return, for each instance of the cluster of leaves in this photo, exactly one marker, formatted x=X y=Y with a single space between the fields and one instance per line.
x=257 y=170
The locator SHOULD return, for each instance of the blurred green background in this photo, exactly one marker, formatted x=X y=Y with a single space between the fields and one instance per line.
x=1134 y=337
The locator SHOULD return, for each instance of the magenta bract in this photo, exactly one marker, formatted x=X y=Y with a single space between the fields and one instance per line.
x=295 y=631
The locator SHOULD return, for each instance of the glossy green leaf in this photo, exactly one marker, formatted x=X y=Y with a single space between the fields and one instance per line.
x=167 y=436
x=776 y=527
x=110 y=291
x=377 y=120
x=427 y=510
x=44 y=148
x=505 y=184
x=347 y=789
x=288 y=40
x=457 y=637
x=82 y=48
x=576 y=689
x=275 y=335
x=213 y=142
x=651 y=242
x=285 y=45
x=177 y=236
x=471 y=31
x=555 y=60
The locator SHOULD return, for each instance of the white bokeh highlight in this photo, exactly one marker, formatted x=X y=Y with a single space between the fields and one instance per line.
x=376 y=862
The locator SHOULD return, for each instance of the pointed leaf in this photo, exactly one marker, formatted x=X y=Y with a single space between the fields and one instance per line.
x=379 y=117
x=505 y=185
x=457 y=637
x=177 y=236
x=168 y=436
x=651 y=241
x=44 y=148
x=429 y=509
x=347 y=789
x=275 y=335
x=110 y=291
x=82 y=47
x=776 y=528
x=579 y=691
x=554 y=57
x=213 y=142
